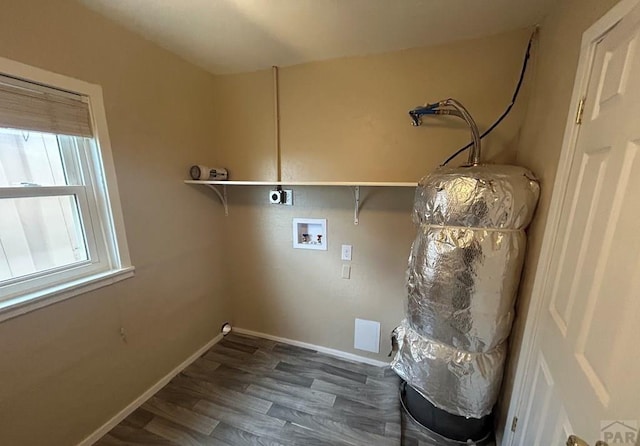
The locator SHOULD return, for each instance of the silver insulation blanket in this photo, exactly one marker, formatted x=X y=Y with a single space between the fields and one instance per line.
x=462 y=279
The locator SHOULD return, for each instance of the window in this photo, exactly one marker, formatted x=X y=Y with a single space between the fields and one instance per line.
x=61 y=229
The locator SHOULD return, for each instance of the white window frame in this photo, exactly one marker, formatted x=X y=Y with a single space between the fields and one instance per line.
x=98 y=200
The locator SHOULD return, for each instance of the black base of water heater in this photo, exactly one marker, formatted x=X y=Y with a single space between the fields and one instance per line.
x=443 y=423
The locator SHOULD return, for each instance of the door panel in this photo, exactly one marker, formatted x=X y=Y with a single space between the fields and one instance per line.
x=586 y=367
x=539 y=399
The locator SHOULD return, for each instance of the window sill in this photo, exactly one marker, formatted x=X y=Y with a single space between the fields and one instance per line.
x=24 y=304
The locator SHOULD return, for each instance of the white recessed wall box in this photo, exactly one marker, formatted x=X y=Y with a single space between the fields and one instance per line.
x=310 y=233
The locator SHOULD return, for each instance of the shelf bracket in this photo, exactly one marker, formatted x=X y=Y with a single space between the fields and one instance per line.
x=222 y=196
x=356 y=211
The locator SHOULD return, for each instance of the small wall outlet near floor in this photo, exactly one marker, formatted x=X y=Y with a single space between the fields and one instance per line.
x=367 y=336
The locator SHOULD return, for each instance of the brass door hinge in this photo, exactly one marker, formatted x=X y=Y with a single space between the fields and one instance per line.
x=514 y=424
x=580 y=111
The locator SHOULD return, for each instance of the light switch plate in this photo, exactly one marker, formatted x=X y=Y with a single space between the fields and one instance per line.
x=346 y=252
x=346 y=272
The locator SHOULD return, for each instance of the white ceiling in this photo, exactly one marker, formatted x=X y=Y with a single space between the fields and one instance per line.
x=230 y=36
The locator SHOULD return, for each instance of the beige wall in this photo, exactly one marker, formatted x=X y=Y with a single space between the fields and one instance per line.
x=298 y=294
x=347 y=120
x=557 y=55
x=64 y=370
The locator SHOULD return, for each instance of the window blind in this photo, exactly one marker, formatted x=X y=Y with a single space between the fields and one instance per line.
x=28 y=106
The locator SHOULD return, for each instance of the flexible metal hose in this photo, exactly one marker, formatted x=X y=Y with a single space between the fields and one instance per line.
x=433 y=109
x=474 y=155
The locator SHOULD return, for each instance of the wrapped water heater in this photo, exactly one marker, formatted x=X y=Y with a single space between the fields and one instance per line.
x=462 y=279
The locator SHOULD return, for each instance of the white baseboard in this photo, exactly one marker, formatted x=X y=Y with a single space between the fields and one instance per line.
x=102 y=430
x=319 y=348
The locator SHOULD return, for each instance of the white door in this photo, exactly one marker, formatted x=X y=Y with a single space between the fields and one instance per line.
x=583 y=372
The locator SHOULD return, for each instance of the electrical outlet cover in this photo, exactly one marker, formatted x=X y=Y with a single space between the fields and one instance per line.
x=288 y=196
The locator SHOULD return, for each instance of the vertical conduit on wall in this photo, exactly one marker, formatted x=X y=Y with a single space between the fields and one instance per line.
x=276 y=114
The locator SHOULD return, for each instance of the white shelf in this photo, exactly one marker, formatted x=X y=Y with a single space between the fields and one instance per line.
x=305 y=183
x=355 y=184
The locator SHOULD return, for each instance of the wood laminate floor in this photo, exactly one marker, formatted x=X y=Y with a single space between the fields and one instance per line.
x=252 y=391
